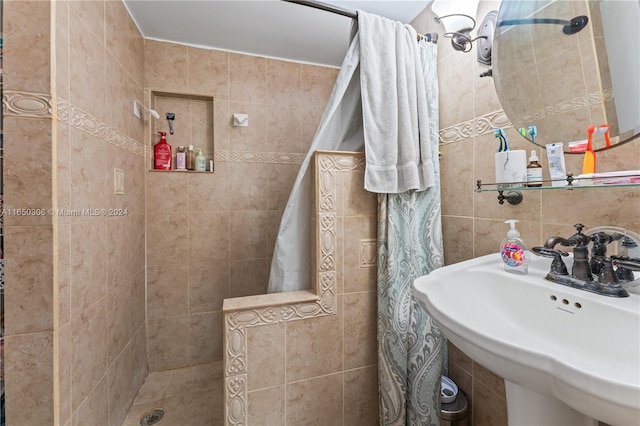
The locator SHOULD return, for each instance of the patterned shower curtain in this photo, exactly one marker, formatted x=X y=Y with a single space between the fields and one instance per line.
x=411 y=349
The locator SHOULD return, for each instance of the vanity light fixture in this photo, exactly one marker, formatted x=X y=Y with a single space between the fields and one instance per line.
x=458 y=18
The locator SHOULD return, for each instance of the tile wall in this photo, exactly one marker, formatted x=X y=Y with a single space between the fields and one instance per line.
x=473 y=222
x=310 y=357
x=75 y=275
x=210 y=236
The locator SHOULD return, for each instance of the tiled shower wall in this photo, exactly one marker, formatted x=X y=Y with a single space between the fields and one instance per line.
x=309 y=357
x=210 y=236
x=473 y=222
x=75 y=289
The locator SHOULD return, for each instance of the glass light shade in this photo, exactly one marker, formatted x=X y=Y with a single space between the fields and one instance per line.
x=456 y=23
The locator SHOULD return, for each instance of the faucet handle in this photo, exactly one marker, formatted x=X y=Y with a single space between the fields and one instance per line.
x=578 y=239
x=557 y=266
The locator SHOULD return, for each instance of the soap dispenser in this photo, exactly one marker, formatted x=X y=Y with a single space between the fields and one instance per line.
x=515 y=254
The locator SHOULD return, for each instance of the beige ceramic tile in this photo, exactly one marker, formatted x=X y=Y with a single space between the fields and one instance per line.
x=87 y=68
x=137 y=292
x=92 y=15
x=248 y=186
x=88 y=268
x=88 y=174
x=64 y=274
x=273 y=226
x=89 y=351
x=63 y=190
x=489 y=379
x=456 y=178
x=252 y=137
x=279 y=184
x=265 y=356
x=165 y=66
x=208 y=236
x=167 y=238
x=210 y=192
x=459 y=358
x=94 y=406
x=221 y=124
x=489 y=409
x=356 y=200
x=167 y=192
x=62 y=49
x=283 y=128
x=195 y=378
x=205 y=338
x=457 y=235
x=283 y=83
x=201 y=126
x=208 y=286
x=310 y=118
x=266 y=407
x=125 y=248
x=27 y=28
x=315 y=346
x=29 y=264
x=64 y=373
x=360 y=339
x=27 y=172
x=117 y=108
x=309 y=403
x=249 y=231
x=361 y=396
x=168 y=343
x=28 y=361
x=625 y=213
x=357 y=278
x=209 y=72
x=154 y=387
x=118 y=323
x=455 y=103
x=316 y=85
x=167 y=290
x=249 y=277
x=247 y=78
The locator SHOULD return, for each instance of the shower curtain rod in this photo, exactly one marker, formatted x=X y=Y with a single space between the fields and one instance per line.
x=432 y=37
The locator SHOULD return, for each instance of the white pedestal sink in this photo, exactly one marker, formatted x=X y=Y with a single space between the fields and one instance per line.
x=568 y=357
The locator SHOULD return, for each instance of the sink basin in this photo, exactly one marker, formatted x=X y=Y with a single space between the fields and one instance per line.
x=567 y=355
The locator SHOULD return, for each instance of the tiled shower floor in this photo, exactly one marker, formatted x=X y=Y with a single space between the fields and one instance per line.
x=190 y=396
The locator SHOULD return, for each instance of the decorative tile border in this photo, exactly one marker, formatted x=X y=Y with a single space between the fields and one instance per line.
x=591 y=99
x=477 y=126
x=328 y=164
x=26 y=104
x=368 y=254
x=485 y=124
x=83 y=121
x=259 y=157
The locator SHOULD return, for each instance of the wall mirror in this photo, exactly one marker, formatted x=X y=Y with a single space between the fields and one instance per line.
x=563 y=83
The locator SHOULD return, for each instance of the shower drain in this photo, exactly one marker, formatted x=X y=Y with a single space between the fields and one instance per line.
x=152 y=417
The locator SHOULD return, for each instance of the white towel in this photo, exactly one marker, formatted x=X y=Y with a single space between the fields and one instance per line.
x=394 y=107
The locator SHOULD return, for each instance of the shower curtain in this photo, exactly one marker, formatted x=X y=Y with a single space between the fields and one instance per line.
x=411 y=349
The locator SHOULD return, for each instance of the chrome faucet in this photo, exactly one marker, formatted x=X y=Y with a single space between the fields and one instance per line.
x=595 y=274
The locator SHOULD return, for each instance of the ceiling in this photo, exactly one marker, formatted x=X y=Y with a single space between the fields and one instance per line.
x=270 y=28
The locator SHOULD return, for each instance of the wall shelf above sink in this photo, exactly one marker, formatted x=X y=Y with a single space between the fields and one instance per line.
x=514 y=196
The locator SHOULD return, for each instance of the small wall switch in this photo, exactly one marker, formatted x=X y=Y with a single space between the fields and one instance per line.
x=118 y=181
x=240 y=120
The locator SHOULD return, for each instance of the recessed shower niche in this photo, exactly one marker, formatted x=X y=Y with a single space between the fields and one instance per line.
x=187 y=119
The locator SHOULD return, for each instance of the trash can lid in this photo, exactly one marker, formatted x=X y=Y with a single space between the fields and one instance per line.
x=456 y=410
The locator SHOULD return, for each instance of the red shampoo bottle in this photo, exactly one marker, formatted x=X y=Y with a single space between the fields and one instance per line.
x=162 y=154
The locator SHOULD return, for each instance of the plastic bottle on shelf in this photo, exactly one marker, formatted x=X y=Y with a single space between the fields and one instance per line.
x=201 y=162
x=190 y=158
x=162 y=154
x=181 y=158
